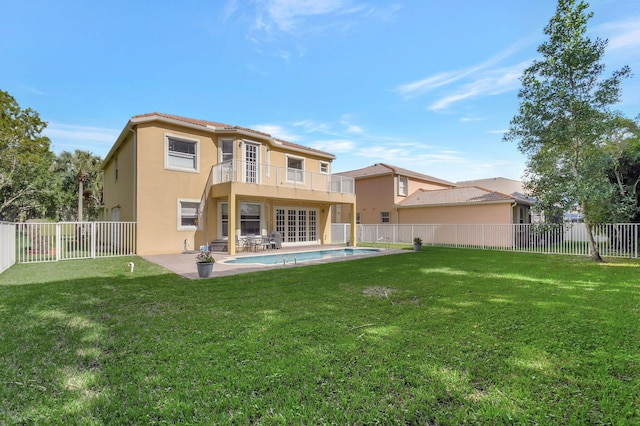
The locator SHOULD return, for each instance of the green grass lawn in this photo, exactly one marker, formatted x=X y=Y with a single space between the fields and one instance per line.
x=441 y=336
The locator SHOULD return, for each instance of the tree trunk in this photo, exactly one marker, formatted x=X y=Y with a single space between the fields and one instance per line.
x=593 y=247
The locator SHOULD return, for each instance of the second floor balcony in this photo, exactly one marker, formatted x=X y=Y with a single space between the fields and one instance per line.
x=270 y=175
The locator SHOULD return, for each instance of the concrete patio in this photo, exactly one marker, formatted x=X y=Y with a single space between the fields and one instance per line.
x=184 y=263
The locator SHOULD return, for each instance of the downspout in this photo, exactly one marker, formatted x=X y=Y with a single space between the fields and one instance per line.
x=135 y=174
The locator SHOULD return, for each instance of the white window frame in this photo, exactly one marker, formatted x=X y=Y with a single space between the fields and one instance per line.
x=403 y=189
x=383 y=215
x=167 y=162
x=251 y=171
x=221 y=141
x=267 y=160
x=198 y=225
x=324 y=165
x=301 y=170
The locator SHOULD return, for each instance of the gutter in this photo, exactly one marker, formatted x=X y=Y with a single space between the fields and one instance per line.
x=479 y=203
x=218 y=130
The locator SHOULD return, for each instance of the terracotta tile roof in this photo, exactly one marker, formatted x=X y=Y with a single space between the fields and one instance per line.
x=462 y=195
x=209 y=124
x=380 y=169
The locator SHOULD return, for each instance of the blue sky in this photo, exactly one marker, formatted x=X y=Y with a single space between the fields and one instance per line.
x=428 y=85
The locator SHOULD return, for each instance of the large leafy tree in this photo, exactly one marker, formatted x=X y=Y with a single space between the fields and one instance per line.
x=25 y=163
x=81 y=183
x=622 y=146
x=564 y=118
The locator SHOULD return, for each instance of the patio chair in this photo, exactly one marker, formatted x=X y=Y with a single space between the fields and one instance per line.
x=241 y=243
x=266 y=242
x=251 y=242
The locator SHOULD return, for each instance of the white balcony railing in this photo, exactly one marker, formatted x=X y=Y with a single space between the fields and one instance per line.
x=270 y=175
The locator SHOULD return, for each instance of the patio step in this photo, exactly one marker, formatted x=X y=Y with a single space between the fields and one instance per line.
x=218 y=245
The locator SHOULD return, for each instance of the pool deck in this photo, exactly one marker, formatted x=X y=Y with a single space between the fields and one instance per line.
x=184 y=263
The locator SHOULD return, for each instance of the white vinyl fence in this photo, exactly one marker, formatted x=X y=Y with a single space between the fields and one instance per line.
x=50 y=242
x=7 y=245
x=613 y=240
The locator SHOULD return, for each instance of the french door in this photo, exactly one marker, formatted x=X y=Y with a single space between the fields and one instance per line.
x=251 y=159
x=297 y=225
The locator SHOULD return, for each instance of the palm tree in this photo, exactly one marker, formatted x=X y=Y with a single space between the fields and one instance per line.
x=81 y=167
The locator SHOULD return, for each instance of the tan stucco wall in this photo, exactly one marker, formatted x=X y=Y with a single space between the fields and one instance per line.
x=159 y=190
x=120 y=191
x=458 y=214
x=374 y=195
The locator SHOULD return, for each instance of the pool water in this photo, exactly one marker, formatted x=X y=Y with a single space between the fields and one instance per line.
x=286 y=258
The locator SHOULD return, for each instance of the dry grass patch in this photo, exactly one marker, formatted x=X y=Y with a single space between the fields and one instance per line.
x=378 y=291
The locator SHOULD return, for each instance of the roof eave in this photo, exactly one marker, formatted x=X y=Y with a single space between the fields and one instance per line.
x=207 y=128
x=466 y=203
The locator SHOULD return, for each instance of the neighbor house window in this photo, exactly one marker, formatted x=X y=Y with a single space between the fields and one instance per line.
x=385 y=217
x=358 y=218
x=324 y=167
x=116 y=167
x=189 y=211
x=295 y=167
x=402 y=185
x=181 y=154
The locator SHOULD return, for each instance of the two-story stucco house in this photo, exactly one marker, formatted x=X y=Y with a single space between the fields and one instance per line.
x=187 y=182
x=379 y=188
x=389 y=194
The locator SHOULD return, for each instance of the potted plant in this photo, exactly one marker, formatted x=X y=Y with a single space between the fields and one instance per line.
x=417 y=244
x=204 y=262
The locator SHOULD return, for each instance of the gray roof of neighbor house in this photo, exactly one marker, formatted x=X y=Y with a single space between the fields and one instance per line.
x=500 y=184
x=461 y=195
x=212 y=126
x=381 y=169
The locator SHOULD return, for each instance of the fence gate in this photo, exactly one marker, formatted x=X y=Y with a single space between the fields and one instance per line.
x=49 y=242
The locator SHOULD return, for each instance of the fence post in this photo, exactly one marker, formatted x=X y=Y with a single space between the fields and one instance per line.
x=58 y=242
x=92 y=229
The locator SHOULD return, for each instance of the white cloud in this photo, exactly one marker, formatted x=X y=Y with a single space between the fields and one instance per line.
x=69 y=137
x=335 y=146
x=349 y=126
x=425 y=85
x=290 y=15
x=311 y=126
x=491 y=83
x=81 y=133
x=622 y=34
x=276 y=131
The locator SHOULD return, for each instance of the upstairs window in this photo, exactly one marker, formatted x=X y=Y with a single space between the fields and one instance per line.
x=295 y=169
x=324 y=167
x=181 y=154
x=385 y=217
x=402 y=185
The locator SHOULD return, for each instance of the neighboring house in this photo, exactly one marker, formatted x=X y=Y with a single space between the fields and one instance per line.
x=511 y=187
x=188 y=182
x=499 y=184
x=380 y=187
x=463 y=205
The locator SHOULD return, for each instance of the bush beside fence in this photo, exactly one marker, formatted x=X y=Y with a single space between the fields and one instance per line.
x=613 y=240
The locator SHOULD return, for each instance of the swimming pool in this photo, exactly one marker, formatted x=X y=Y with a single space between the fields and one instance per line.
x=302 y=256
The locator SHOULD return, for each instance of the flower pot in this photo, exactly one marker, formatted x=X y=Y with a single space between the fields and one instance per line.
x=417 y=247
x=204 y=269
